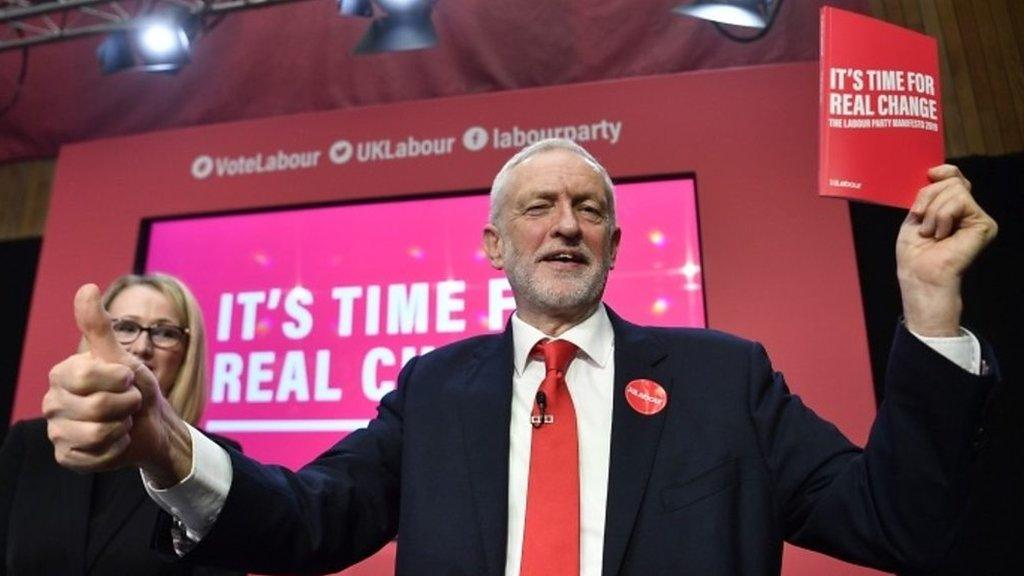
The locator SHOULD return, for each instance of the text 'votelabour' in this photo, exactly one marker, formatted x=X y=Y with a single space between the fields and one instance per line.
x=867 y=98
x=381 y=315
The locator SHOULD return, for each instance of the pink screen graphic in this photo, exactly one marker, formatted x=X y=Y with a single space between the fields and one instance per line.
x=311 y=313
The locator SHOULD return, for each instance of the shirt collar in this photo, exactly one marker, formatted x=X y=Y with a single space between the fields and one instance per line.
x=594 y=337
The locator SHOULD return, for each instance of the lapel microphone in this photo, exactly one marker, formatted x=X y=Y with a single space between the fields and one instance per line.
x=538 y=420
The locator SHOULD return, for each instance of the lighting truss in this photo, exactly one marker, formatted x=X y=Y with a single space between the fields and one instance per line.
x=24 y=23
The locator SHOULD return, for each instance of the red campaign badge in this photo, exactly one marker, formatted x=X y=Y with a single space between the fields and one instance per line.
x=646 y=396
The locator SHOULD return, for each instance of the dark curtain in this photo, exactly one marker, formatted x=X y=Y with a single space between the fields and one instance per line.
x=19 y=258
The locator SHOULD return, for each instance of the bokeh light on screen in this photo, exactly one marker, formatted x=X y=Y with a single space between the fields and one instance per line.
x=660 y=306
x=656 y=237
x=263 y=327
x=261 y=259
x=691 y=271
x=481 y=321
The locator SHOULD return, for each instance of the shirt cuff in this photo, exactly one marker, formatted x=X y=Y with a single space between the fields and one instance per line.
x=197 y=500
x=963 y=350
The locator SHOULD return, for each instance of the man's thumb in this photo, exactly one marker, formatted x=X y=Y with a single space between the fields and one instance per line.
x=94 y=323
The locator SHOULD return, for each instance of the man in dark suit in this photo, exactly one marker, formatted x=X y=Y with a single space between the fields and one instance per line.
x=692 y=455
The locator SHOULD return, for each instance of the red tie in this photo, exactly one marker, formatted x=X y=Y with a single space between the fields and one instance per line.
x=551 y=542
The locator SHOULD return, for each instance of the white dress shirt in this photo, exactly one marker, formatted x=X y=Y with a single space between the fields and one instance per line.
x=198 y=499
x=591 y=379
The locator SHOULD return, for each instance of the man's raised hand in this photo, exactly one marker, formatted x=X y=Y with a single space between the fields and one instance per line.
x=104 y=407
x=942 y=235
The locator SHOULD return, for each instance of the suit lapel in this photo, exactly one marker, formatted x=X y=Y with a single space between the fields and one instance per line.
x=485 y=408
x=635 y=436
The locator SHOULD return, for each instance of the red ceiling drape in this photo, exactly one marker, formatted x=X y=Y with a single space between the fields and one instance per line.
x=297 y=57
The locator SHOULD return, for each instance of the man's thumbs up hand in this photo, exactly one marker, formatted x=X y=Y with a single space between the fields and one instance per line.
x=94 y=324
x=104 y=407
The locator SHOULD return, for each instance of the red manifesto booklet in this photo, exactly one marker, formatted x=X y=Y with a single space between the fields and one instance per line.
x=880 y=123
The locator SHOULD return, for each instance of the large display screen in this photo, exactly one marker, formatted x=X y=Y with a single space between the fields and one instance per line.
x=311 y=313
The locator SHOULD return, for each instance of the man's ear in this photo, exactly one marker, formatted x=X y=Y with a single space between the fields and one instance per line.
x=493 y=246
x=613 y=253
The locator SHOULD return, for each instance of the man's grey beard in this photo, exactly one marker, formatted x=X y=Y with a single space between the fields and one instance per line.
x=585 y=289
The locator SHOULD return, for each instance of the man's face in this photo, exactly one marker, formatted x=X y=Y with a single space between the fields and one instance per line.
x=553 y=236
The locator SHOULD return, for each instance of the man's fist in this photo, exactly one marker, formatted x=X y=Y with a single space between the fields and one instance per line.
x=942 y=235
x=104 y=407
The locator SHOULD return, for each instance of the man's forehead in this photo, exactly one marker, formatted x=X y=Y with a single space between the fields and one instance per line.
x=556 y=157
x=555 y=165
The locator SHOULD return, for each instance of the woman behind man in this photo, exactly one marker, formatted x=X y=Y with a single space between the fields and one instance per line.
x=54 y=521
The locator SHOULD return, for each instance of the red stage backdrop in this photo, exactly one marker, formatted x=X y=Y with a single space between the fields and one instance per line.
x=777 y=262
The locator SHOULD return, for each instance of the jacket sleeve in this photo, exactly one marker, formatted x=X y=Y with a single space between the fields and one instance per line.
x=896 y=504
x=226 y=443
x=332 y=513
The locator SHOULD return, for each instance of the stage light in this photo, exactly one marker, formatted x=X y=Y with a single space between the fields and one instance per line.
x=749 y=13
x=162 y=41
x=360 y=8
x=115 y=53
x=395 y=7
x=405 y=25
x=398 y=33
x=156 y=43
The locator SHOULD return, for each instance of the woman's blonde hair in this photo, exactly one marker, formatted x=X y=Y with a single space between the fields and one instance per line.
x=188 y=393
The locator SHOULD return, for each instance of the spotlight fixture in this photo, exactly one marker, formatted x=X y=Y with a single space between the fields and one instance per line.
x=163 y=43
x=750 y=13
x=115 y=53
x=404 y=25
x=758 y=14
x=360 y=8
x=155 y=43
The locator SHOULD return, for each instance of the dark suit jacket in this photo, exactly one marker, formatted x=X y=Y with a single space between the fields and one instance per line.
x=712 y=484
x=46 y=513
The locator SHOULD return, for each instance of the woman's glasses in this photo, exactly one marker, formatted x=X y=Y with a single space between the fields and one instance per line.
x=161 y=335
